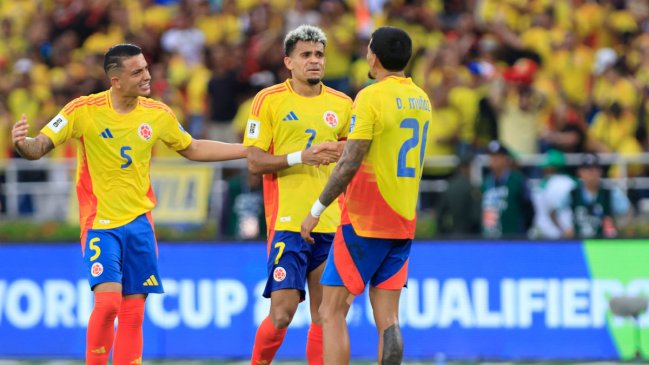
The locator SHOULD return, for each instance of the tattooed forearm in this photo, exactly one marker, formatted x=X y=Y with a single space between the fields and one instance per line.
x=392 y=346
x=345 y=169
x=34 y=148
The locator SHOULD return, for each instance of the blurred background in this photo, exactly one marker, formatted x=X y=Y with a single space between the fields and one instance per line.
x=536 y=168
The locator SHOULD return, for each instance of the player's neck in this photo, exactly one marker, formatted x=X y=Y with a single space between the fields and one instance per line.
x=122 y=104
x=382 y=74
x=306 y=89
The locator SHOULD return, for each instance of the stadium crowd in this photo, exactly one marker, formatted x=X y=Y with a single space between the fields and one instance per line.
x=506 y=78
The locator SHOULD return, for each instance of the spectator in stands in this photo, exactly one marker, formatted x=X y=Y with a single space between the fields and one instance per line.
x=519 y=122
x=549 y=214
x=595 y=211
x=507 y=210
x=223 y=90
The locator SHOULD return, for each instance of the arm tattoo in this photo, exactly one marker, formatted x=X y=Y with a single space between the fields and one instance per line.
x=35 y=148
x=345 y=169
x=392 y=346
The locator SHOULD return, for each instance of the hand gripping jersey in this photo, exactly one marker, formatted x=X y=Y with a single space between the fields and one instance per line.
x=381 y=199
x=281 y=122
x=114 y=154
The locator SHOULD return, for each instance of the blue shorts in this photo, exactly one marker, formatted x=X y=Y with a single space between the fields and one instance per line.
x=291 y=259
x=126 y=255
x=354 y=261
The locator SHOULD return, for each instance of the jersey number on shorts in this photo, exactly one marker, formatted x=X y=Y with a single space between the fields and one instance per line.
x=94 y=248
x=128 y=158
x=410 y=143
x=281 y=246
x=312 y=133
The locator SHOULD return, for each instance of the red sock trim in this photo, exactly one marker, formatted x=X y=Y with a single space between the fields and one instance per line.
x=101 y=327
x=267 y=342
x=314 y=345
x=128 y=339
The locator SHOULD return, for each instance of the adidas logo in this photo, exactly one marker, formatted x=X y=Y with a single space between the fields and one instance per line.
x=106 y=134
x=290 y=116
x=151 y=281
x=100 y=350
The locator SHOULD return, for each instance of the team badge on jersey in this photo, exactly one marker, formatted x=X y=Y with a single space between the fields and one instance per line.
x=279 y=274
x=96 y=269
x=145 y=131
x=330 y=118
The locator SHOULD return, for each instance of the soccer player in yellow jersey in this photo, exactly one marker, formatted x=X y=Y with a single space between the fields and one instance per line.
x=295 y=130
x=116 y=130
x=382 y=162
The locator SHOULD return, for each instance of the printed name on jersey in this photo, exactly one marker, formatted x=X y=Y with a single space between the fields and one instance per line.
x=279 y=274
x=96 y=269
x=330 y=118
x=145 y=131
x=57 y=123
x=352 y=123
x=252 y=129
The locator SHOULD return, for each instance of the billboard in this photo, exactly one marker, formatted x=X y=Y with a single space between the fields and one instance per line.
x=467 y=300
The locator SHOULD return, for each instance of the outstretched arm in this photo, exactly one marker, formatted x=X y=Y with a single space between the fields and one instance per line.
x=205 y=150
x=342 y=174
x=262 y=162
x=29 y=148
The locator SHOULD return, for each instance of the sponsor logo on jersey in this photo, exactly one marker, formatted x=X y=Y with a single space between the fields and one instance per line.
x=290 y=116
x=57 y=123
x=96 y=269
x=352 y=123
x=145 y=131
x=106 y=134
x=330 y=118
x=279 y=274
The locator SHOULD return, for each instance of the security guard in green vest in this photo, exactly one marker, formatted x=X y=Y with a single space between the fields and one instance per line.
x=594 y=206
x=507 y=209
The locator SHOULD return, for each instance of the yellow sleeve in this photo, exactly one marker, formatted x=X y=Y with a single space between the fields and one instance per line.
x=344 y=131
x=63 y=126
x=173 y=134
x=259 y=128
x=364 y=117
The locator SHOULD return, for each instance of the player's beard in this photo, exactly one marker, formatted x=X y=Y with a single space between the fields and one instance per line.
x=313 y=81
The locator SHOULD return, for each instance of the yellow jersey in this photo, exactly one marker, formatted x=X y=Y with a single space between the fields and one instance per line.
x=381 y=200
x=114 y=154
x=281 y=122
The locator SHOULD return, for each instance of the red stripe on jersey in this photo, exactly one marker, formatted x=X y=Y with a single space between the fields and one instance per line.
x=86 y=196
x=157 y=105
x=398 y=280
x=263 y=94
x=73 y=105
x=85 y=101
x=271 y=198
x=337 y=93
x=370 y=214
x=345 y=265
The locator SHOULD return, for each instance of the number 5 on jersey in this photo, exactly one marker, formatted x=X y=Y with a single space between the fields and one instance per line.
x=125 y=156
x=411 y=123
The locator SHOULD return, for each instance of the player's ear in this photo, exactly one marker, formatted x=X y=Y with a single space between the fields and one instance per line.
x=288 y=62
